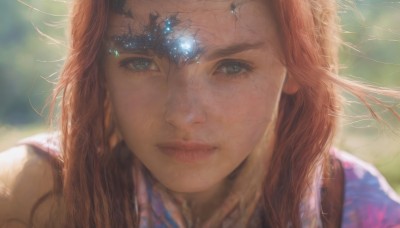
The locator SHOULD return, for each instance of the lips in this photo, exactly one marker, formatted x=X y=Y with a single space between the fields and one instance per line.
x=187 y=152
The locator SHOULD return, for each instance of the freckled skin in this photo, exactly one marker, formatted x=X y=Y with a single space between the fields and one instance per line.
x=201 y=101
x=118 y=6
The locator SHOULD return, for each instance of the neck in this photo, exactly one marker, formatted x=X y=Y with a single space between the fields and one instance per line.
x=198 y=207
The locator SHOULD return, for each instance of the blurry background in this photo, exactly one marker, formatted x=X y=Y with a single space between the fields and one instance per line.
x=30 y=63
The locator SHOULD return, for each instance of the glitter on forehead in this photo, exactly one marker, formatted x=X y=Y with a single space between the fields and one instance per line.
x=183 y=48
x=186 y=43
x=163 y=39
x=114 y=52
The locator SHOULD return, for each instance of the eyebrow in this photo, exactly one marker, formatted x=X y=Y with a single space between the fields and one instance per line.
x=139 y=51
x=216 y=54
x=233 y=49
x=139 y=46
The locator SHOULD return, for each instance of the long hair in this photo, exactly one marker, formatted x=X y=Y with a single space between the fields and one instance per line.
x=307 y=119
x=98 y=190
x=98 y=187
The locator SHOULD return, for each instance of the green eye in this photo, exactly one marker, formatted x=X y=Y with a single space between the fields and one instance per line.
x=233 y=68
x=139 y=64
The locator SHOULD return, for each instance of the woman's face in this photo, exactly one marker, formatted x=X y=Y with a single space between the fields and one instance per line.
x=193 y=85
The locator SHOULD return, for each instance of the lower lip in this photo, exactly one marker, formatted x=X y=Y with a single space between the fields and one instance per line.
x=188 y=156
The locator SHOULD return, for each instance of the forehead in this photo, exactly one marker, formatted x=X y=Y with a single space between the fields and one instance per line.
x=215 y=22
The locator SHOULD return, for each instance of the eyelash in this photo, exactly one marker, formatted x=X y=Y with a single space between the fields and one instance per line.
x=241 y=68
x=139 y=64
x=143 y=64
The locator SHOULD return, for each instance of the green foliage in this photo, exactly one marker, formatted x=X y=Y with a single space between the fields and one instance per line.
x=27 y=60
x=372 y=30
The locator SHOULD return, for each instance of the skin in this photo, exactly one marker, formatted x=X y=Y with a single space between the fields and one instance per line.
x=226 y=101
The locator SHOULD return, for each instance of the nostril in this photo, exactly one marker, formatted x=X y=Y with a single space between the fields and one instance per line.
x=184 y=113
x=185 y=102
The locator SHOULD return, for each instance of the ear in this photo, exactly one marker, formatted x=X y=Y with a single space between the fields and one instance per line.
x=290 y=85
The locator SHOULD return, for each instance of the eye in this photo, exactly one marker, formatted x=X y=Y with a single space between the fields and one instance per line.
x=233 y=68
x=139 y=64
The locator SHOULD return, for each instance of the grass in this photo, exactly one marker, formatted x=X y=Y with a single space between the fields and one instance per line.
x=10 y=135
x=376 y=146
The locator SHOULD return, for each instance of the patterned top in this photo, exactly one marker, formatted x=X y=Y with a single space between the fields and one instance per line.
x=369 y=201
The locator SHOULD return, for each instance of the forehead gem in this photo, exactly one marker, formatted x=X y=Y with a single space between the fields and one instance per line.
x=183 y=48
x=186 y=44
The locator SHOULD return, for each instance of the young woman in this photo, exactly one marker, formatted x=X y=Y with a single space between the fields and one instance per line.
x=197 y=114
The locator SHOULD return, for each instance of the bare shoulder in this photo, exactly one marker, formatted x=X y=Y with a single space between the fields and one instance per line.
x=27 y=183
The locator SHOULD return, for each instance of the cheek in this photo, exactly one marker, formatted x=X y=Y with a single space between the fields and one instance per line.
x=245 y=115
x=251 y=107
x=135 y=107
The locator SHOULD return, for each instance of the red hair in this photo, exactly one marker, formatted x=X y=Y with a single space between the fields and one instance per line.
x=99 y=191
x=307 y=119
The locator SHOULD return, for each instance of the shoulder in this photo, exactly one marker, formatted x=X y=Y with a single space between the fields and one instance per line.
x=369 y=201
x=27 y=186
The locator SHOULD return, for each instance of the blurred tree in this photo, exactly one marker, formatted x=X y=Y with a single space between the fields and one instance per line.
x=26 y=60
x=371 y=28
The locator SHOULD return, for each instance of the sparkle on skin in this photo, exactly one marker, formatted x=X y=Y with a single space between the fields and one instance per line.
x=163 y=39
x=233 y=8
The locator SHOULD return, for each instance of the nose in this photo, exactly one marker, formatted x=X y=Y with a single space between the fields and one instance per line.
x=185 y=107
